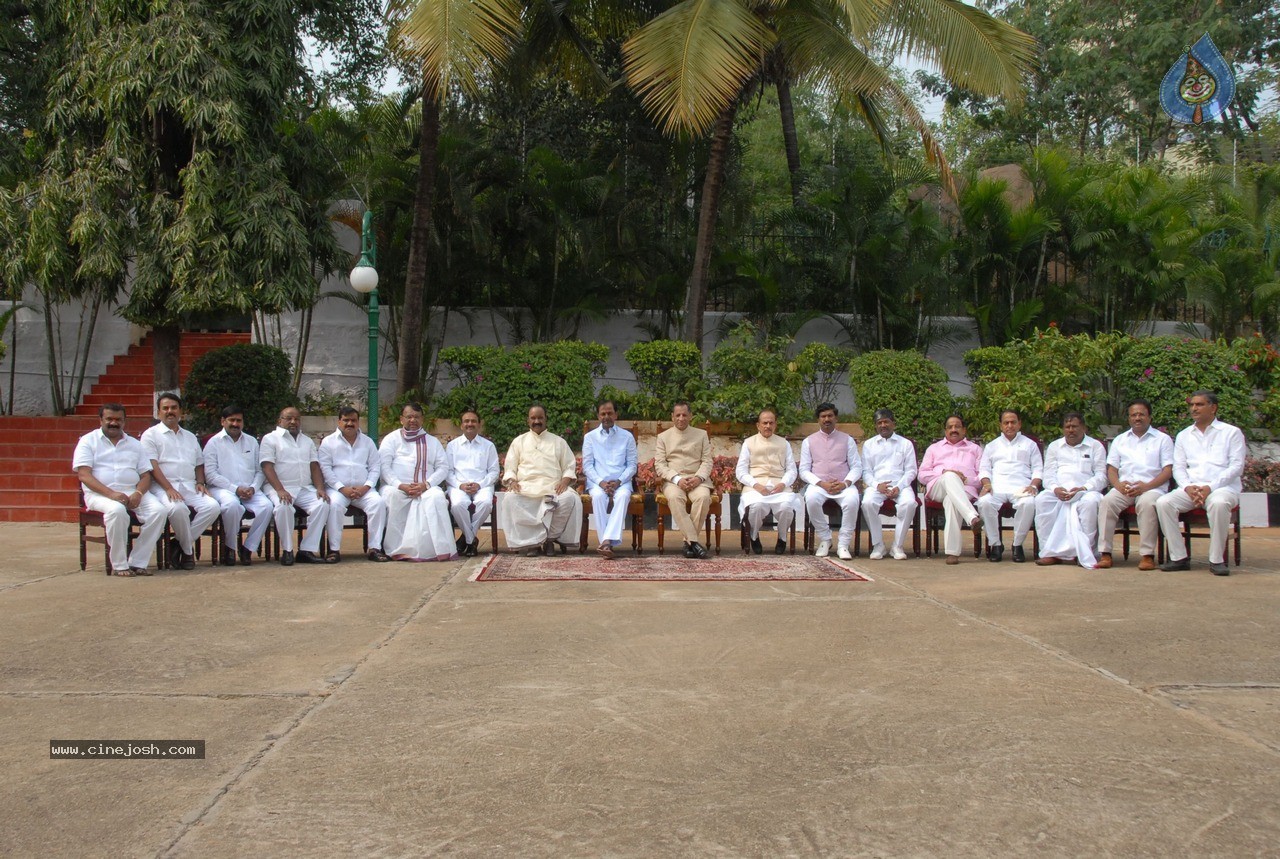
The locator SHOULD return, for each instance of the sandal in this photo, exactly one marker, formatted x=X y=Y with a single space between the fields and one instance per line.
x=140 y=571
x=123 y=574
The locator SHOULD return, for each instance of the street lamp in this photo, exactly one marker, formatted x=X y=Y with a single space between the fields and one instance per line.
x=364 y=279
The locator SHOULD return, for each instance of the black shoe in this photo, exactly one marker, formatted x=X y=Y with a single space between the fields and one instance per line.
x=378 y=555
x=461 y=544
x=187 y=562
x=1176 y=566
x=698 y=551
x=334 y=557
x=228 y=558
x=246 y=557
x=305 y=557
x=1019 y=556
x=172 y=554
x=995 y=554
x=781 y=548
x=1220 y=569
x=286 y=559
x=473 y=548
x=688 y=551
x=756 y=548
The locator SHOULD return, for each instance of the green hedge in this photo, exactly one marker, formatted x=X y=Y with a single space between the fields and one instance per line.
x=254 y=376
x=1165 y=370
x=911 y=384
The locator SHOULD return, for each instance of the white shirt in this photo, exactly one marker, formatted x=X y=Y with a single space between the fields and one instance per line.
x=177 y=452
x=1010 y=465
x=118 y=466
x=608 y=456
x=851 y=457
x=1085 y=465
x=399 y=458
x=231 y=463
x=292 y=456
x=889 y=460
x=471 y=461
x=345 y=464
x=1138 y=459
x=1213 y=458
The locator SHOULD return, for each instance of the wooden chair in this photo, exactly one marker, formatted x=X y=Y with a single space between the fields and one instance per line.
x=635 y=509
x=664 y=510
x=491 y=523
x=213 y=532
x=94 y=519
x=890 y=509
x=1195 y=524
x=220 y=538
x=1127 y=527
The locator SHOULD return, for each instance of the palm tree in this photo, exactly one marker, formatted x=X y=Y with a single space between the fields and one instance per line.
x=693 y=64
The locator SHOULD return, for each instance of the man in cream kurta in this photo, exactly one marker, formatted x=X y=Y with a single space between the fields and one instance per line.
x=682 y=460
x=538 y=508
x=766 y=469
x=414 y=468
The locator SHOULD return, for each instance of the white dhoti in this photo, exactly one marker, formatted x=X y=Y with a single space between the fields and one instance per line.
x=815 y=497
x=905 y=505
x=418 y=529
x=375 y=516
x=115 y=520
x=233 y=509
x=316 y=508
x=958 y=510
x=607 y=521
x=754 y=507
x=471 y=523
x=532 y=521
x=1068 y=529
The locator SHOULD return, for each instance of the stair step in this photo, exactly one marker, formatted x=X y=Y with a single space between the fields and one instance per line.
x=40 y=514
x=36 y=483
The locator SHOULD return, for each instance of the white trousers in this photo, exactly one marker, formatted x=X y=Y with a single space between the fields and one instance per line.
x=233 y=508
x=610 y=525
x=471 y=523
x=1217 y=507
x=115 y=519
x=907 y=505
x=1024 y=513
x=957 y=508
x=375 y=514
x=815 y=496
x=1115 y=503
x=306 y=500
x=754 y=507
x=188 y=525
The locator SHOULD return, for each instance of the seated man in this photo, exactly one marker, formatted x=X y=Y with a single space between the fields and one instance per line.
x=1208 y=461
x=291 y=467
x=830 y=464
x=116 y=475
x=949 y=472
x=1075 y=473
x=539 y=510
x=473 y=472
x=413 y=471
x=682 y=461
x=889 y=473
x=178 y=479
x=235 y=482
x=1010 y=473
x=1139 y=465
x=766 y=469
x=351 y=464
x=609 y=464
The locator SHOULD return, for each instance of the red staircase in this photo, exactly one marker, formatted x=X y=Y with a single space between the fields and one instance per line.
x=36 y=480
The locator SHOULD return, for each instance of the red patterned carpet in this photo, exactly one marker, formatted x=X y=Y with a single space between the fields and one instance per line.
x=665 y=568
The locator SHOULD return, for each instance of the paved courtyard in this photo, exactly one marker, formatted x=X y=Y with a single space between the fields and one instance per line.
x=404 y=710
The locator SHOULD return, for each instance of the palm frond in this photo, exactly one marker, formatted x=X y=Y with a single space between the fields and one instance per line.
x=457 y=41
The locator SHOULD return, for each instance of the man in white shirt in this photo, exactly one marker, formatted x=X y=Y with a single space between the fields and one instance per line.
x=609 y=464
x=889 y=473
x=473 y=472
x=1208 y=461
x=540 y=512
x=414 y=469
x=116 y=475
x=350 y=463
x=1075 y=473
x=178 y=479
x=235 y=482
x=291 y=466
x=830 y=464
x=1011 y=472
x=766 y=469
x=1139 y=465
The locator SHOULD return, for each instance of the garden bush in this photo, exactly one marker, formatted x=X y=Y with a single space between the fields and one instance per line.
x=1165 y=370
x=911 y=384
x=744 y=378
x=501 y=383
x=665 y=371
x=254 y=376
x=821 y=366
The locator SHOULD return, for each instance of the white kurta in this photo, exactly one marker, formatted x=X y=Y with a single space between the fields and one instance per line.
x=773 y=465
x=471 y=461
x=1069 y=529
x=418 y=529
x=530 y=517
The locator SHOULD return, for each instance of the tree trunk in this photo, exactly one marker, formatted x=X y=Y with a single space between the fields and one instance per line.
x=164 y=346
x=790 y=142
x=409 y=370
x=712 y=184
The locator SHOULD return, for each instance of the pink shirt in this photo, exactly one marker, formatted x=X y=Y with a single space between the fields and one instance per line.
x=942 y=456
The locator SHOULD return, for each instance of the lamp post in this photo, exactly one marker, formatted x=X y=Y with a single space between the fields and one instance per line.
x=364 y=279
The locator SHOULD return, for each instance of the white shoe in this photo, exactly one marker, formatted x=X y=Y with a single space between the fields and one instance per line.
x=898 y=554
x=843 y=553
x=824 y=548
x=877 y=553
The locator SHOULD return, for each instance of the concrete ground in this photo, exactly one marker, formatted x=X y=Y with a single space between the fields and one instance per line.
x=403 y=710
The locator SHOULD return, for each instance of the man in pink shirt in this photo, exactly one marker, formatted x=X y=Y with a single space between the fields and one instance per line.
x=949 y=472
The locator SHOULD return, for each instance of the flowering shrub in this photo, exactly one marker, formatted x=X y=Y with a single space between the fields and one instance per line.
x=722 y=479
x=1261 y=475
x=1165 y=370
x=911 y=384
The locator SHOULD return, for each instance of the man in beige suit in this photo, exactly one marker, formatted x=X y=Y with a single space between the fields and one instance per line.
x=683 y=462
